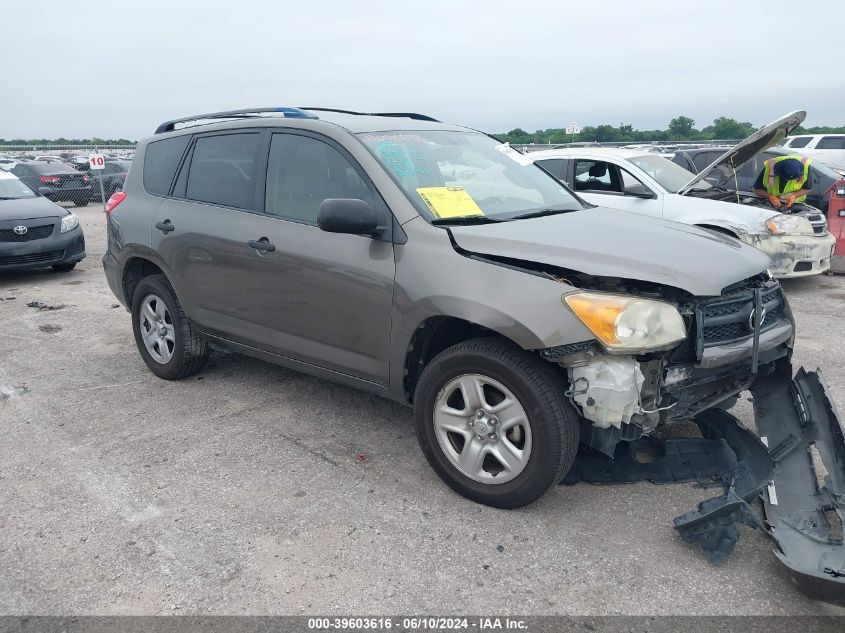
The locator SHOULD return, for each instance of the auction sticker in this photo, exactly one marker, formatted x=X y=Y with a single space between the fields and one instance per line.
x=514 y=154
x=449 y=202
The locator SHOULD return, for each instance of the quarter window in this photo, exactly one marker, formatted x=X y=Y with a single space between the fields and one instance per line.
x=161 y=159
x=831 y=142
x=302 y=172
x=222 y=170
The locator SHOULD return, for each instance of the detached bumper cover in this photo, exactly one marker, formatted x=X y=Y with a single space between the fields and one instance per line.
x=805 y=505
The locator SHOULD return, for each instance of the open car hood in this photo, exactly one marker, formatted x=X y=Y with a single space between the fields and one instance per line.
x=762 y=139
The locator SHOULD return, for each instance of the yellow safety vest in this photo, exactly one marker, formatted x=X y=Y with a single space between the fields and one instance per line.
x=771 y=181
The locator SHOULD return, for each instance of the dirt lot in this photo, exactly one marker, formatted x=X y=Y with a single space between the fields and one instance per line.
x=253 y=489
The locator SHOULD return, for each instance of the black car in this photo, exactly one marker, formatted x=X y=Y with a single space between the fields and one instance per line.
x=822 y=177
x=64 y=182
x=35 y=232
x=111 y=177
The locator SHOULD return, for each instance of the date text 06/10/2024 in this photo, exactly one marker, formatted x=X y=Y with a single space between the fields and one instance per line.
x=416 y=623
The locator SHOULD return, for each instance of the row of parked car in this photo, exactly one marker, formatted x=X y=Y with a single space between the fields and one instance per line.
x=513 y=307
x=710 y=188
x=70 y=180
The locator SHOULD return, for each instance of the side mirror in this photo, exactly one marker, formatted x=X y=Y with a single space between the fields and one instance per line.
x=347 y=215
x=45 y=191
x=640 y=191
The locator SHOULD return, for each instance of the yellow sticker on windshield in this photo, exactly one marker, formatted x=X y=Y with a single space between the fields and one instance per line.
x=449 y=202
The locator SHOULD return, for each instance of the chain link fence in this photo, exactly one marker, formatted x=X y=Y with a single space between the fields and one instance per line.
x=66 y=170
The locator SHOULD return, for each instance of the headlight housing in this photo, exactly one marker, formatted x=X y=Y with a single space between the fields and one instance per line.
x=69 y=222
x=789 y=224
x=626 y=324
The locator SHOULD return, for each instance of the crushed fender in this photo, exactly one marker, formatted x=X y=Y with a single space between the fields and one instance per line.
x=797 y=465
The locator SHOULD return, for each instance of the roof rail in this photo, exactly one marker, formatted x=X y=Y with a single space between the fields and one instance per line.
x=290 y=113
x=405 y=115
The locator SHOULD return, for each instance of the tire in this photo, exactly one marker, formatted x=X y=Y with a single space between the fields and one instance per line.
x=180 y=351
x=550 y=434
x=63 y=268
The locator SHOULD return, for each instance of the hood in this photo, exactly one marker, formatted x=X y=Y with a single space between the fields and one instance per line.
x=762 y=139
x=30 y=209
x=608 y=243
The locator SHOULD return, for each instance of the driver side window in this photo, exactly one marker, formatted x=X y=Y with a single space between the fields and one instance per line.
x=598 y=176
x=302 y=172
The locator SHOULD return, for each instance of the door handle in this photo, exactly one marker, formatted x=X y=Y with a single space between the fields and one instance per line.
x=165 y=227
x=262 y=245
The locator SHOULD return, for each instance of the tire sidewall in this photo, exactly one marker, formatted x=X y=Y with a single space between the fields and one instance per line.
x=543 y=437
x=160 y=288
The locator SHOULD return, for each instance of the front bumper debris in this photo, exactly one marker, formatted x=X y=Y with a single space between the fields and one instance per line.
x=805 y=505
x=801 y=477
x=796 y=255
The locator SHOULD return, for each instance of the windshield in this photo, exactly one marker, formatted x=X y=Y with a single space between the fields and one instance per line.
x=466 y=174
x=671 y=176
x=11 y=187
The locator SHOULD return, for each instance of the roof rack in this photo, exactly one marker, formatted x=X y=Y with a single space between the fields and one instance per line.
x=404 y=115
x=290 y=113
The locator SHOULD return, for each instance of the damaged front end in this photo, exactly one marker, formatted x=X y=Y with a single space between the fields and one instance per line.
x=739 y=341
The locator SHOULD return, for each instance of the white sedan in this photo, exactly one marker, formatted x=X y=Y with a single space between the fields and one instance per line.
x=798 y=243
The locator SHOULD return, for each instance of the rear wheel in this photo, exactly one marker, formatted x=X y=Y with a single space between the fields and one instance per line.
x=493 y=422
x=168 y=343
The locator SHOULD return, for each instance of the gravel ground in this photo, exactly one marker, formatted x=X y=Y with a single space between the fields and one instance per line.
x=251 y=489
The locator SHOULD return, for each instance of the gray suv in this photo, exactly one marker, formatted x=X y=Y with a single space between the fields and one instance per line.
x=433 y=265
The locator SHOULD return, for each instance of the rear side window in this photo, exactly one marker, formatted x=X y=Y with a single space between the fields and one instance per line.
x=160 y=162
x=831 y=142
x=800 y=141
x=222 y=170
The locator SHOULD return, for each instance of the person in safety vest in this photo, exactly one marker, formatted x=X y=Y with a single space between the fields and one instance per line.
x=784 y=177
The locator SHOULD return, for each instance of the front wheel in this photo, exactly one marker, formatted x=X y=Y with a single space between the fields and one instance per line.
x=168 y=343
x=493 y=422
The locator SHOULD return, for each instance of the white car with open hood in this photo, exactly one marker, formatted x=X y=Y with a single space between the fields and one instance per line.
x=796 y=240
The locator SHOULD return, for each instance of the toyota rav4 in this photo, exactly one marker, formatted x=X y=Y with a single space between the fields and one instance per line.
x=431 y=264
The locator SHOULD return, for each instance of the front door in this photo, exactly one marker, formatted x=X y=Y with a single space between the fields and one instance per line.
x=604 y=183
x=263 y=274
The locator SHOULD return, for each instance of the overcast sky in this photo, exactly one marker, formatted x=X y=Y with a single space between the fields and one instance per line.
x=117 y=68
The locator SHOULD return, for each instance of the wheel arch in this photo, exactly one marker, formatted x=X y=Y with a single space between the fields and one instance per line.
x=432 y=336
x=136 y=268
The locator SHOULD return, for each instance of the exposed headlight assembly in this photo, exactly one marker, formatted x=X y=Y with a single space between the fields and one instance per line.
x=789 y=225
x=628 y=324
x=69 y=222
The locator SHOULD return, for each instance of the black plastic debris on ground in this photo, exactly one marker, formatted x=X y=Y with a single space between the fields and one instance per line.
x=38 y=305
x=799 y=470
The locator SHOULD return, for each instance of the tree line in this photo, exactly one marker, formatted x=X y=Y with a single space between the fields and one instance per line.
x=73 y=142
x=681 y=128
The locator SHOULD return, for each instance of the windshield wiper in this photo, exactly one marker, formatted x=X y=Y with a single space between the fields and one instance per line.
x=540 y=213
x=465 y=220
